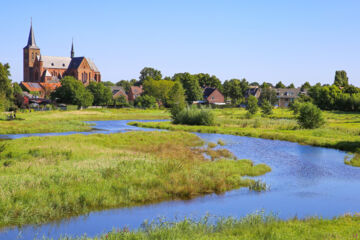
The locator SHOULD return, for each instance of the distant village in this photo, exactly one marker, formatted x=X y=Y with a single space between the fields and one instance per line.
x=43 y=75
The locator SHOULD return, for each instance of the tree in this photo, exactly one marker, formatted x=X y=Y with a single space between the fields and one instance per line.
x=351 y=89
x=145 y=101
x=177 y=99
x=158 y=89
x=280 y=85
x=5 y=81
x=17 y=89
x=341 y=79
x=252 y=105
x=148 y=72
x=310 y=116
x=73 y=91
x=291 y=86
x=266 y=108
x=126 y=85
x=205 y=80
x=305 y=86
x=235 y=89
x=254 y=84
x=108 y=84
x=121 y=101
x=268 y=94
x=102 y=94
x=191 y=86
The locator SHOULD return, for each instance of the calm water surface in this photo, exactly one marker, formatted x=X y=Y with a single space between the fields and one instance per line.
x=305 y=181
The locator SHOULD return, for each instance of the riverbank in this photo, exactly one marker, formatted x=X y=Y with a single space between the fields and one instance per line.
x=49 y=178
x=254 y=227
x=341 y=131
x=68 y=121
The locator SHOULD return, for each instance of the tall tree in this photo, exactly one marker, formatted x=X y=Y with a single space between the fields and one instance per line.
x=268 y=94
x=305 y=86
x=148 y=72
x=252 y=105
x=191 y=86
x=341 y=79
x=177 y=99
x=73 y=91
x=235 y=89
x=291 y=85
x=158 y=89
x=280 y=85
x=126 y=85
x=205 y=80
x=102 y=94
x=5 y=81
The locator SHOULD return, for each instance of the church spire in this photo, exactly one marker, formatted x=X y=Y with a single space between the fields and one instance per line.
x=72 y=49
x=31 y=41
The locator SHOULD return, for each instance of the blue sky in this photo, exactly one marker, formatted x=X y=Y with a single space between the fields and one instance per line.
x=288 y=41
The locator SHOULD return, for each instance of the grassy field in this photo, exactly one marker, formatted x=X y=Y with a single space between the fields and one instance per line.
x=49 y=178
x=252 y=227
x=341 y=131
x=64 y=121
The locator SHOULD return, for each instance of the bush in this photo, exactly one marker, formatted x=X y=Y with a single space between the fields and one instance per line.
x=310 y=116
x=145 y=101
x=195 y=116
x=252 y=105
x=266 y=108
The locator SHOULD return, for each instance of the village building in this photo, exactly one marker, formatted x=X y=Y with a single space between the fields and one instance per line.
x=286 y=96
x=213 y=96
x=118 y=91
x=135 y=91
x=47 y=71
x=253 y=91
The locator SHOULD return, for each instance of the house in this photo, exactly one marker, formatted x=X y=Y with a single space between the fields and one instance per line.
x=287 y=95
x=135 y=91
x=118 y=91
x=40 y=89
x=254 y=91
x=213 y=96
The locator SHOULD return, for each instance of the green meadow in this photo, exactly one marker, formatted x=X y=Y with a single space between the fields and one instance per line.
x=341 y=130
x=65 y=121
x=50 y=178
x=252 y=227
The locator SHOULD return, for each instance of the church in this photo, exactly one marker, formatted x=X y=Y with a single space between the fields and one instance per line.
x=44 y=72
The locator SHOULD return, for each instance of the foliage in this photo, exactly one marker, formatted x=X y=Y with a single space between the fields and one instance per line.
x=108 y=84
x=126 y=85
x=252 y=105
x=42 y=182
x=148 y=72
x=158 y=89
x=280 y=85
x=235 y=89
x=341 y=79
x=73 y=91
x=205 y=80
x=145 y=101
x=176 y=99
x=310 y=116
x=268 y=94
x=305 y=86
x=257 y=226
x=120 y=101
x=266 y=108
x=191 y=86
x=291 y=86
x=102 y=94
x=17 y=89
x=195 y=116
x=5 y=81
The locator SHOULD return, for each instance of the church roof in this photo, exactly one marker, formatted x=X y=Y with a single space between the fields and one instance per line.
x=92 y=65
x=31 y=40
x=55 y=62
x=75 y=62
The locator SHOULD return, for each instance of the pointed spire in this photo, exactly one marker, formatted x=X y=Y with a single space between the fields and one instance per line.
x=31 y=41
x=72 y=49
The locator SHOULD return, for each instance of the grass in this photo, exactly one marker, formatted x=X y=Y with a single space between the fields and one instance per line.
x=65 y=121
x=50 y=178
x=341 y=131
x=254 y=227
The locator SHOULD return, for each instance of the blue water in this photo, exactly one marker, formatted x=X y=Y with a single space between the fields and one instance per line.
x=305 y=181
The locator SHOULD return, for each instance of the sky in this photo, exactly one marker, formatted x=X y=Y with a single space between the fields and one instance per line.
x=288 y=41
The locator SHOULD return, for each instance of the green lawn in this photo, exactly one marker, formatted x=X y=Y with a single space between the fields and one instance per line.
x=49 y=178
x=252 y=227
x=64 y=121
x=341 y=131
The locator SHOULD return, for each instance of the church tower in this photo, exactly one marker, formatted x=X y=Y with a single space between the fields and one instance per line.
x=31 y=51
x=72 y=53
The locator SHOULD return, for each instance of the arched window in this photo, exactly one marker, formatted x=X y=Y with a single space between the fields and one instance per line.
x=82 y=76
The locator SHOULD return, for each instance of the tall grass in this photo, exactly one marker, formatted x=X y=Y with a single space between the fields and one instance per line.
x=255 y=227
x=195 y=116
x=49 y=178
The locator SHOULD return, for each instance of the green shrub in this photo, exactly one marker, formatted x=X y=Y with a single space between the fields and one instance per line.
x=195 y=116
x=145 y=101
x=252 y=106
x=266 y=108
x=310 y=116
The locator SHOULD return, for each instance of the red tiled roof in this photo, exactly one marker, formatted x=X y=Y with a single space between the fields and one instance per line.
x=136 y=90
x=32 y=87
